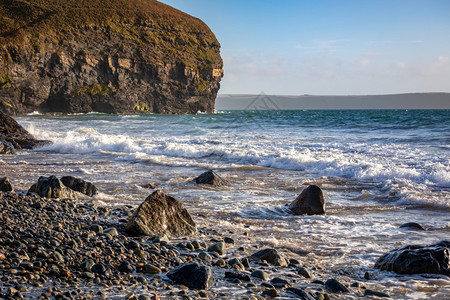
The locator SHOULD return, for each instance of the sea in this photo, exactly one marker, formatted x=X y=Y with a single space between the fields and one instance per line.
x=378 y=169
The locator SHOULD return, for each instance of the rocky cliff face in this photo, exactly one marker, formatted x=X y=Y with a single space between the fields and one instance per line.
x=105 y=56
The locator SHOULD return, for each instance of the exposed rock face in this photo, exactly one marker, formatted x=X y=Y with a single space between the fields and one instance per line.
x=310 y=202
x=114 y=57
x=52 y=187
x=13 y=136
x=210 y=177
x=79 y=185
x=5 y=185
x=160 y=213
x=193 y=275
x=414 y=259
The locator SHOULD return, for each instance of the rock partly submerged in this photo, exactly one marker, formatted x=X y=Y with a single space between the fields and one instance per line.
x=115 y=56
x=210 y=177
x=51 y=187
x=310 y=201
x=160 y=213
x=416 y=259
x=5 y=185
x=14 y=136
x=79 y=185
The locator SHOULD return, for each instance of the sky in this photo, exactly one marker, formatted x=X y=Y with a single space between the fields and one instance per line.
x=346 y=47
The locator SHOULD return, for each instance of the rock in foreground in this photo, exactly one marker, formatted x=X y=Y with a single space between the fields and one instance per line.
x=160 y=213
x=193 y=275
x=79 y=185
x=415 y=259
x=5 y=185
x=310 y=202
x=52 y=188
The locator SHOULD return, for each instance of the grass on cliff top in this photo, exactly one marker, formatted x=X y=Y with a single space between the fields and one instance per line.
x=25 y=22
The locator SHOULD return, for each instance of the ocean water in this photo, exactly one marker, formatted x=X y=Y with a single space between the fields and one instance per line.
x=377 y=169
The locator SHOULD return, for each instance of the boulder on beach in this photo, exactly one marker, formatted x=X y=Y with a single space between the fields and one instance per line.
x=416 y=259
x=79 y=185
x=193 y=275
x=52 y=187
x=160 y=213
x=310 y=202
x=210 y=177
x=12 y=135
x=271 y=256
x=5 y=185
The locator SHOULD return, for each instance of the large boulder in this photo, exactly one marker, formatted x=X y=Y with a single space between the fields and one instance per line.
x=210 y=177
x=5 y=185
x=160 y=213
x=310 y=202
x=79 y=185
x=416 y=259
x=193 y=275
x=52 y=187
x=12 y=135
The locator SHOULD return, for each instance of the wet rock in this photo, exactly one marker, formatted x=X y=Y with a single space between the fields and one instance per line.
x=301 y=294
x=126 y=267
x=160 y=213
x=310 y=202
x=412 y=226
x=415 y=259
x=375 y=293
x=279 y=282
x=79 y=185
x=219 y=248
x=192 y=275
x=238 y=275
x=205 y=256
x=303 y=272
x=271 y=256
x=260 y=274
x=210 y=177
x=335 y=286
x=52 y=187
x=6 y=147
x=271 y=293
x=151 y=269
x=5 y=185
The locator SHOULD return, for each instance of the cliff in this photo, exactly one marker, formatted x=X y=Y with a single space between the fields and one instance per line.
x=111 y=56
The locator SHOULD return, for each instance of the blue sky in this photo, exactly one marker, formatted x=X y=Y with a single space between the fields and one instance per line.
x=295 y=47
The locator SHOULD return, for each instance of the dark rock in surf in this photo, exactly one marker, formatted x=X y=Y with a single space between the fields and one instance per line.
x=310 y=202
x=5 y=185
x=416 y=259
x=160 y=213
x=301 y=294
x=14 y=136
x=376 y=293
x=271 y=256
x=193 y=275
x=210 y=177
x=335 y=286
x=412 y=226
x=79 y=185
x=52 y=187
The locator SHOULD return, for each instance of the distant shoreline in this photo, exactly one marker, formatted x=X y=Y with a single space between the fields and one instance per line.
x=429 y=101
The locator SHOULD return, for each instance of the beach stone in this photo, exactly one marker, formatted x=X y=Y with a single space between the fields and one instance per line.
x=52 y=187
x=87 y=265
x=112 y=231
x=238 y=275
x=310 y=202
x=160 y=213
x=335 y=286
x=218 y=248
x=301 y=294
x=5 y=185
x=126 y=267
x=192 y=275
x=210 y=177
x=271 y=256
x=303 y=272
x=151 y=269
x=416 y=259
x=412 y=226
x=205 y=256
x=260 y=274
x=271 y=292
x=375 y=293
x=79 y=185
